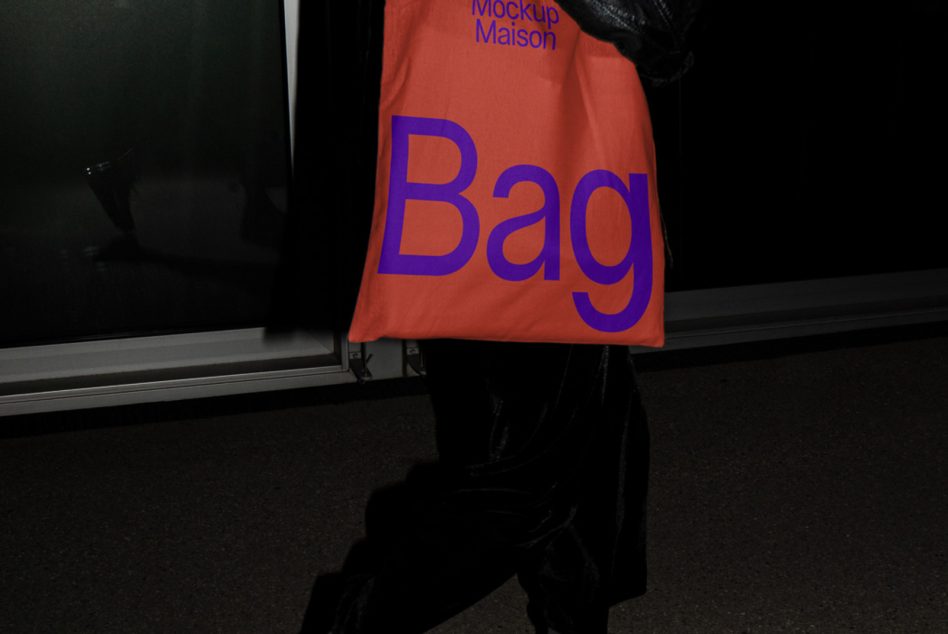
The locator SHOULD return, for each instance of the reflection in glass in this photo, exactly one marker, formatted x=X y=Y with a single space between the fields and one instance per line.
x=145 y=165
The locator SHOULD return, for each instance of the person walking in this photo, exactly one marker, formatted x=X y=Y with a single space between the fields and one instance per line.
x=542 y=453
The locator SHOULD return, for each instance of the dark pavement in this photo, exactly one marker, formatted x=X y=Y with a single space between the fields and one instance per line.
x=797 y=486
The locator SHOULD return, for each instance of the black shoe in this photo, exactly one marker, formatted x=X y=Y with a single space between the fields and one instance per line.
x=324 y=599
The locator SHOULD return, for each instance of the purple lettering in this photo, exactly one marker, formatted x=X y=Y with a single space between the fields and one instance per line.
x=552 y=17
x=549 y=40
x=638 y=258
x=401 y=190
x=510 y=12
x=487 y=37
x=480 y=7
x=539 y=39
x=499 y=9
x=549 y=258
x=635 y=195
x=503 y=36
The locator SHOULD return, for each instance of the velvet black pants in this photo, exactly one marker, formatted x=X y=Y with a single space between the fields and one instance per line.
x=542 y=473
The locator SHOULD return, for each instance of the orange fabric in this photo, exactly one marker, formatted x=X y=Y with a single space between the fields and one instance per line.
x=515 y=193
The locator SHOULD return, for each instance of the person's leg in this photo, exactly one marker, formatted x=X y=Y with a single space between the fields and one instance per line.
x=512 y=436
x=599 y=558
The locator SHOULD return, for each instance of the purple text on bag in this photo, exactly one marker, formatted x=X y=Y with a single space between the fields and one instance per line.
x=401 y=190
x=635 y=195
x=638 y=258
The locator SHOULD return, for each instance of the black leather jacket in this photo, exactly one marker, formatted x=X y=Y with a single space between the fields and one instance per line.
x=652 y=33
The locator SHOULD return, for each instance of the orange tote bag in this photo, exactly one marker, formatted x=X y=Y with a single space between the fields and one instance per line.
x=515 y=192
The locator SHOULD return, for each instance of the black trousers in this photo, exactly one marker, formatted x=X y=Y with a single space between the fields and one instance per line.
x=542 y=473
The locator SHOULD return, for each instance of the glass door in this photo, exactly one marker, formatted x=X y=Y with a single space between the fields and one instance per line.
x=144 y=182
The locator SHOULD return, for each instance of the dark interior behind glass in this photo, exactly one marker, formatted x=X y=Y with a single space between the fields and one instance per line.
x=144 y=166
x=807 y=142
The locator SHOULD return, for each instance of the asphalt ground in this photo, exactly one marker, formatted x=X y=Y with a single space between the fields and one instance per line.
x=797 y=486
